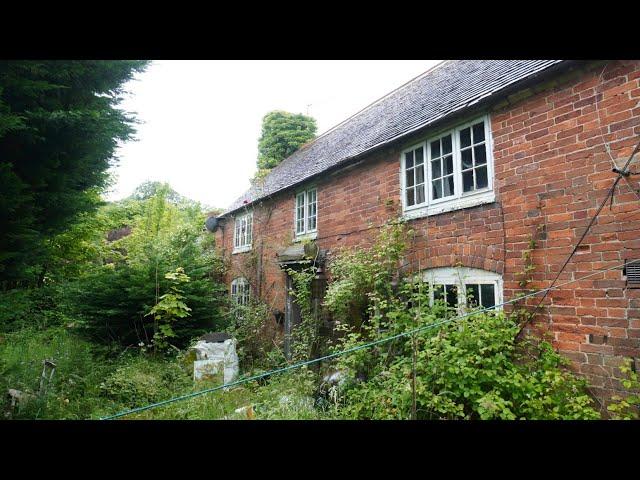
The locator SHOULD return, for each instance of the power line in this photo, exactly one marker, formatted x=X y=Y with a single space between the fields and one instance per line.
x=353 y=349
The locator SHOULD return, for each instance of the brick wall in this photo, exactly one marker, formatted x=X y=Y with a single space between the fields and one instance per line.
x=551 y=172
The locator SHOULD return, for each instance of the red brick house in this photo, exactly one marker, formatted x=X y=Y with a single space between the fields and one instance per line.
x=479 y=156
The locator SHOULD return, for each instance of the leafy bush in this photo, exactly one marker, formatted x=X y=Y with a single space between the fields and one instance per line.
x=471 y=368
x=468 y=369
x=288 y=396
x=143 y=380
x=114 y=298
x=627 y=408
x=258 y=336
x=361 y=272
x=34 y=307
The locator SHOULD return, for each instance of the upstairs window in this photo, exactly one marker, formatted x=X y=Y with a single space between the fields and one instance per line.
x=240 y=291
x=243 y=232
x=306 y=214
x=451 y=170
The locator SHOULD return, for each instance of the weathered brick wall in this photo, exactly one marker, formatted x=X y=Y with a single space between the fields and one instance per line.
x=551 y=172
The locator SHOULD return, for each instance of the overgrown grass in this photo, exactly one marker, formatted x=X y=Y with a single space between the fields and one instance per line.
x=74 y=390
x=92 y=382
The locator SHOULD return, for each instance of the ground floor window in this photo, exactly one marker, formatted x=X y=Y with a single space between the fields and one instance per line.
x=463 y=288
x=240 y=291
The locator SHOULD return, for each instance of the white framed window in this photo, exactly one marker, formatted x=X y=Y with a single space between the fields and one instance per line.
x=306 y=212
x=463 y=288
x=240 y=291
x=243 y=232
x=451 y=170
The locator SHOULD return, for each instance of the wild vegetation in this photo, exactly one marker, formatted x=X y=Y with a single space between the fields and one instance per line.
x=100 y=302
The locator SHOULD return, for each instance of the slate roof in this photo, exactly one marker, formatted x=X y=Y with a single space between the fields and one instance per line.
x=439 y=92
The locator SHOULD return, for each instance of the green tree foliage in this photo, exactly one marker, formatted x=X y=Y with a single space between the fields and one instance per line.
x=149 y=189
x=282 y=134
x=114 y=297
x=169 y=309
x=59 y=128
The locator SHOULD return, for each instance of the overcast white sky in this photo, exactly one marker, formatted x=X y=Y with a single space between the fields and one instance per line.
x=202 y=119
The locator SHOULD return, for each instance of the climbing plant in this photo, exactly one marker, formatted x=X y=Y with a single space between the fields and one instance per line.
x=305 y=336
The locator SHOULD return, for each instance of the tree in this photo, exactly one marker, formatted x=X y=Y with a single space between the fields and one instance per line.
x=282 y=134
x=116 y=292
x=149 y=188
x=59 y=128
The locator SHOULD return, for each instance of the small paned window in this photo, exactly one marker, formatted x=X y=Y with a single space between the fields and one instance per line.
x=306 y=212
x=243 y=232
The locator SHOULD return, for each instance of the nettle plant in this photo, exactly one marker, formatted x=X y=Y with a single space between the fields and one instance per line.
x=170 y=308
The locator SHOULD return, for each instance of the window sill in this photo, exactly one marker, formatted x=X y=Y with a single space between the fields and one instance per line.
x=457 y=204
x=241 y=250
x=305 y=236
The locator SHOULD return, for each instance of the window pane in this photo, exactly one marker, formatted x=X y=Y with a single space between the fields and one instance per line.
x=312 y=223
x=467 y=161
x=446 y=144
x=419 y=174
x=473 y=293
x=436 y=172
x=448 y=186
x=467 y=181
x=448 y=165
x=408 y=159
x=410 y=197
x=481 y=154
x=437 y=189
x=410 y=178
x=452 y=295
x=488 y=295
x=465 y=137
x=481 y=177
x=420 y=194
x=478 y=132
x=438 y=292
x=419 y=156
x=435 y=149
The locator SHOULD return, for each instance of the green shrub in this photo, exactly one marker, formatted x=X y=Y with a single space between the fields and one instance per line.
x=469 y=369
x=143 y=380
x=259 y=339
x=288 y=396
x=628 y=407
x=34 y=307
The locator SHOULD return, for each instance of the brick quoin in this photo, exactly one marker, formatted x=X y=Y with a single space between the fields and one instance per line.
x=551 y=171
